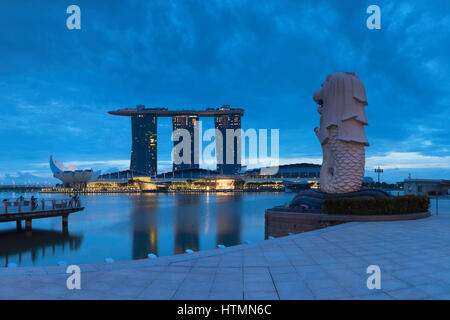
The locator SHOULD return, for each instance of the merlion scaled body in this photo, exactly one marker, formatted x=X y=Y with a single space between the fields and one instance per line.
x=342 y=100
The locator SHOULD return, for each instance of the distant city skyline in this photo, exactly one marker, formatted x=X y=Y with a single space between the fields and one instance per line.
x=57 y=85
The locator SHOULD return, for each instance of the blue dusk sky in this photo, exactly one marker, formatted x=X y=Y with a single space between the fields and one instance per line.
x=267 y=57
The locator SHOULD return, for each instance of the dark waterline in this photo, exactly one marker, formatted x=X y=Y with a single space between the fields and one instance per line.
x=126 y=227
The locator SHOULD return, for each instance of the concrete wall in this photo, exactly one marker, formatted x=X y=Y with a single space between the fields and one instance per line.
x=281 y=221
x=278 y=224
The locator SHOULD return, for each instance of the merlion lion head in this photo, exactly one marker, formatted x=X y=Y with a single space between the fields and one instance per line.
x=342 y=99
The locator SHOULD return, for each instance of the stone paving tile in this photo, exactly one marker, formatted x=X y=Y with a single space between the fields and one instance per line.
x=442 y=275
x=198 y=277
x=228 y=278
x=203 y=270
x=362 y=291
x=333 y=266
x=260 y=286
x=320 y=284
x=208 y=262
x=191 y=295
x=46 y=284
x=261 y=262
x=188 y=263
x=263 y=277
x=165 y=284
x=407 y=273
x=445 y=296
x=226 y=295
x=258 y=295
x=172 y=276
x=375 y=296
x=294 y=290
x=51 y=291
x=33 y=289
x=302 y=262
x=419 y=280
x=177 y=269
x=156 y=268
x=281 y=270
x=91 y=295
x=411 y=293
x=236 y=285
x=255 y=270
x=435 y=289
x=196 y=286
x=329 y=293
x=311 y=272
x=236 y=262
x=227 y=274
x=393 y=284
x=156 y=293
x=291 y=276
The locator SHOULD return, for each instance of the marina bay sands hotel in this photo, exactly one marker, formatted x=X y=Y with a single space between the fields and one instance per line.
x=144 y=136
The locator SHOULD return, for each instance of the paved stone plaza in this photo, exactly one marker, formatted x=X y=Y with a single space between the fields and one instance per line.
x=414 y=257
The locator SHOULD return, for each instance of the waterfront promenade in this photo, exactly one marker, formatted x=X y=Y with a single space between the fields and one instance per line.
x=414 y=257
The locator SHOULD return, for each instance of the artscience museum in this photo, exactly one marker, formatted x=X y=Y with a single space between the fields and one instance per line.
x=71 y=176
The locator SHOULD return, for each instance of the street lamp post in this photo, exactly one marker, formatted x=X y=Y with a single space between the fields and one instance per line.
x=378 y=170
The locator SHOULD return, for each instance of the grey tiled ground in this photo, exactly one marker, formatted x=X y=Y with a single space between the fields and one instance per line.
x=414 y=257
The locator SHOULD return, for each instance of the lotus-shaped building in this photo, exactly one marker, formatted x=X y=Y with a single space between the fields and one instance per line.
x=71 y=176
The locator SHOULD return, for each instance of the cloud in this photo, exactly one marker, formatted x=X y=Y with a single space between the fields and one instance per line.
x=408 y=160
x=391 y=160
x=91 y=163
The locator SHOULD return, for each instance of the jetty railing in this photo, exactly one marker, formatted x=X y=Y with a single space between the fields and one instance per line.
x=34 y=204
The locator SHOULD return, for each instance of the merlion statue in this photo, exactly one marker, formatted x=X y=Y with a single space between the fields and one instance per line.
x=341 y=104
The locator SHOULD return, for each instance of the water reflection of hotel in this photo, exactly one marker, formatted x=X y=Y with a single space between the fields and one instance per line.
x=228 y=224
x=144 y=217
x=186 y=223
x=170 y=230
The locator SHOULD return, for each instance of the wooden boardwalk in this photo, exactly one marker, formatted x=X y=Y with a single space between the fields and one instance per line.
x=29 y=209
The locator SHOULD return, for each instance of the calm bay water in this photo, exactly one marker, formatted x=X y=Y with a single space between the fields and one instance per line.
x=126 y=227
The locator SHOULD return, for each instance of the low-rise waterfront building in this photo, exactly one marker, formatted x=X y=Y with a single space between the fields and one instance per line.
x=124 y=175
x=426 y=186
x=286 y=178
x=296 y=170
x=193 y=173
x=289 y=177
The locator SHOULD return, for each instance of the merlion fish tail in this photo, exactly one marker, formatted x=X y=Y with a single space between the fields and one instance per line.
x=348 y=165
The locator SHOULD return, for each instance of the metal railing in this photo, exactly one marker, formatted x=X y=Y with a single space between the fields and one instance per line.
x=34 y=204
